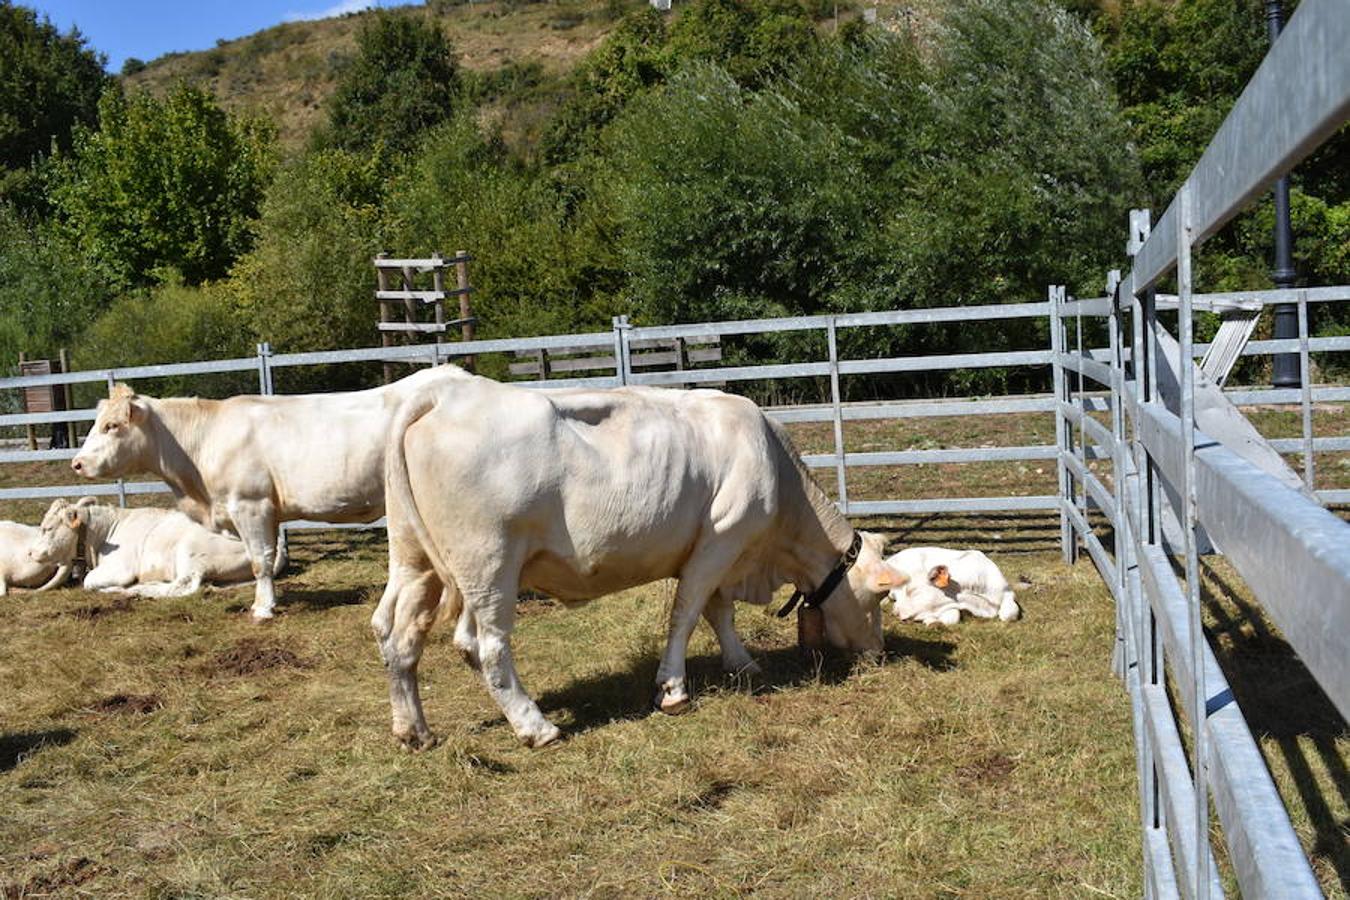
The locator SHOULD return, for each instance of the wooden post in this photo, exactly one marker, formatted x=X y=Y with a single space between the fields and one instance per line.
x=438 y=284
x=386 y=338
x=462 y=278
x=409 y=304
x=32 y=435
x=72 y=427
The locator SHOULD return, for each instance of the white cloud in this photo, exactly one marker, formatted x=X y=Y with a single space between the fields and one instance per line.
x=337 y=9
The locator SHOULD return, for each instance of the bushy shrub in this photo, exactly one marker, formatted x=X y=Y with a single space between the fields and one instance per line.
x=308 y=283
x=402 y=82
x=172 y=323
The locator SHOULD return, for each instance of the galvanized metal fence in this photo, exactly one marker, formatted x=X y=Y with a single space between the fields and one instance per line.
x=1293 y=554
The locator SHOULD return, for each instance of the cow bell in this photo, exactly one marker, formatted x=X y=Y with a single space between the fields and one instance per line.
x=810 y=629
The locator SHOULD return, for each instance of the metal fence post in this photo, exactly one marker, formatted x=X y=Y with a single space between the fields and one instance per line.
x=1066 y=541
x=1188 y=517
x=1081 y=445
x=1305 y=381
x=839 y=469
x=622 y=367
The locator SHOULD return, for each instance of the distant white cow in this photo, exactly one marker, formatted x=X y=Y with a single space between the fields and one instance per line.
x=494 y=488
x=148 y=552
x=246 y=464
x=18 y=568
x=943 y=582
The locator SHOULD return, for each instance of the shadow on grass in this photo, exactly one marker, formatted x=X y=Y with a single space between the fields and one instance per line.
x=321 y=599
x=15 y=748
x=597 y=700
x=1281 y=700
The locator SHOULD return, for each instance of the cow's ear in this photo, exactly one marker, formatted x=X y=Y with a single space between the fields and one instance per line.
x=883 y=577
x=72 y=517
x=938 y=577
x=136 y=411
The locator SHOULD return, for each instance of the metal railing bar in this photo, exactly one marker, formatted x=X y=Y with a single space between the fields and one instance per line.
x=1297 y=98
x=952 y=504
x=1178 y=800
x=1253 y=519
x=83 y=490
x=934 y=363
x=63 y=415
x=1264 y=848
x=913 y=457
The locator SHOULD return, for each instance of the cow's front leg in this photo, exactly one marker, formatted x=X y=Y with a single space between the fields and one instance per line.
x=672 y=696
x=255 y=522
x=494 y=613
x=720 y=613
x=108 y=578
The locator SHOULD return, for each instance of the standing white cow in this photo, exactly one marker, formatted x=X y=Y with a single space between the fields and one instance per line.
x=941 y=583
x=493 y=488
x=246 y=464
x=17 y=566
x=148 y=552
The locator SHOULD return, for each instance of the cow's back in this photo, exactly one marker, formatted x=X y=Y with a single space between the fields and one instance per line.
x=597 y=490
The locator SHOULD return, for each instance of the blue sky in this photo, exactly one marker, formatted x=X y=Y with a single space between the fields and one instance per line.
x=146 y=29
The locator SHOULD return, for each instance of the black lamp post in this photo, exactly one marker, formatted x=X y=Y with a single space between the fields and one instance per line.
x=1285 y=372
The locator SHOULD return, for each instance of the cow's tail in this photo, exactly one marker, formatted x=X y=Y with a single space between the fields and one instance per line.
x=399 y=493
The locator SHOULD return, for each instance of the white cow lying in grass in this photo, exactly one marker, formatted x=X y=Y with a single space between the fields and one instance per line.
x=148 y=552
x=17 y=566
x=943 y=582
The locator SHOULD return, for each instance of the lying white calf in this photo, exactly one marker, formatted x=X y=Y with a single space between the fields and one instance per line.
x=944 y=582
x=18 y=568
x=148 y=552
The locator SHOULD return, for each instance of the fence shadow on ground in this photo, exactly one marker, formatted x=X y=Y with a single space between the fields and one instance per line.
x=1282 y=701
x=15 y=748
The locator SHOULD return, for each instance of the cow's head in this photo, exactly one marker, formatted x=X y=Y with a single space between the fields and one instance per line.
x=853 y=610
x=119 y=438
x=917 y=595
x=58 y=539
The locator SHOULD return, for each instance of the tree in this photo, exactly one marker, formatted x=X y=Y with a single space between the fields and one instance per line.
x=402 y=82
x=49 y=83
x=164 y=184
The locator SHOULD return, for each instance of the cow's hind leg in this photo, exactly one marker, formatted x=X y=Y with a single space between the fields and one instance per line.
x=720 y=613
x=401 y=621
x=494 y=612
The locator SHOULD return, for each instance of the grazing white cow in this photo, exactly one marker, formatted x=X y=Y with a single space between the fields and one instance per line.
x=493 y=488
x=941 y=583
x=246 y=464
x=148 y=552
x=17 y=566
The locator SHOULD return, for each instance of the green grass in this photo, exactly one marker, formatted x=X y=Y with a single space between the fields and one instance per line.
x=155 y=748
x=171 y=748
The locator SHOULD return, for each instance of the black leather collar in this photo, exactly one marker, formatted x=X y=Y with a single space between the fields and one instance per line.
x=819 y=595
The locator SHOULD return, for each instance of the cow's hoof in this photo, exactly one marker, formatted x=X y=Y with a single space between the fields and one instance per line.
x=550 y=735
x=672 y=704
x=261 y=617
x=750 y=668
x=416 y=743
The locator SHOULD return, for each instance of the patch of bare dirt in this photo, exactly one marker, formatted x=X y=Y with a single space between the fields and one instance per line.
x=134 y=704
x=251 y=656
x=56 y=882
x=990 y=768
x=94 y=611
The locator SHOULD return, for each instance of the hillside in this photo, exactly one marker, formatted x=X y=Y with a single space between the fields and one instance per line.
x=287 y=72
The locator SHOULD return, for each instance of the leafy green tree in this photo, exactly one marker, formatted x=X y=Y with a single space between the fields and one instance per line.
x=49 y=291
x=308 y=283
x=403 y=81
x=751 y=39
x=49 y=83
x=164 y=184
